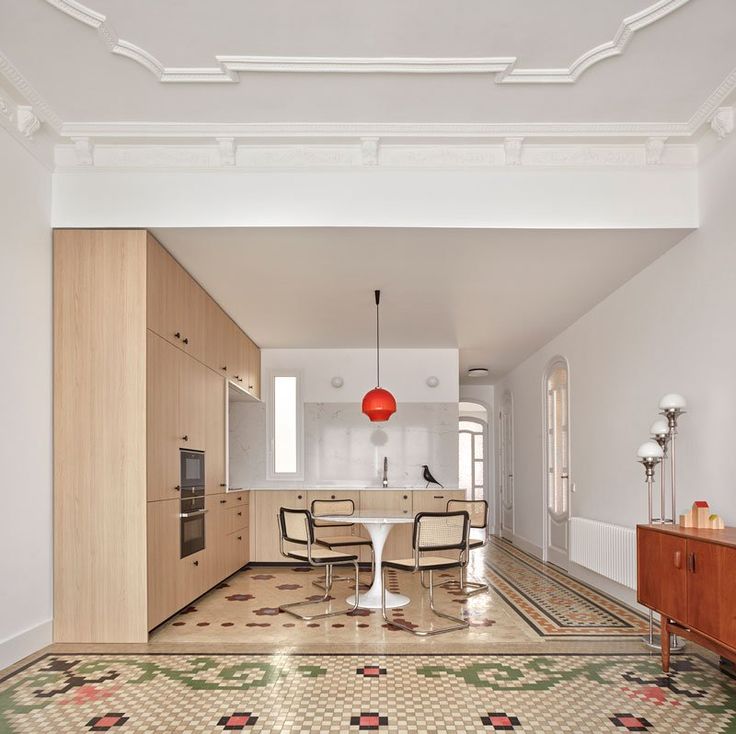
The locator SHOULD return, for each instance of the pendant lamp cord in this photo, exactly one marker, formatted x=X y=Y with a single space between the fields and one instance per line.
x=378 y=349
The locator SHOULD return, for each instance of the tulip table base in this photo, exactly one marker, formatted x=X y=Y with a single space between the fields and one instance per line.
x=371 y=599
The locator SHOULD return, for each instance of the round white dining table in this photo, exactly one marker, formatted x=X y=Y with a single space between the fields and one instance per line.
x=378 y=524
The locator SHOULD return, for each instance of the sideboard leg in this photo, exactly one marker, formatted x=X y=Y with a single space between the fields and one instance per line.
x=665 y=638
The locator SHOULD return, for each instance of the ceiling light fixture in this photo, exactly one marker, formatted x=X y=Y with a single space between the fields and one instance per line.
x=378 y=404
x=477 y=372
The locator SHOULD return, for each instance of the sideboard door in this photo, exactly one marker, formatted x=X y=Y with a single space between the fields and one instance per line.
x=712 y=590
x=662 y=584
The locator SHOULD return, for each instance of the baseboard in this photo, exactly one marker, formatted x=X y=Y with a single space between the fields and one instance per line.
x=29 y=641
x=607 y=586
x=527 y=546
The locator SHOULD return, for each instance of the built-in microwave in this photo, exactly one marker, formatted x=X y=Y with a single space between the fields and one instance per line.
x=192 y=503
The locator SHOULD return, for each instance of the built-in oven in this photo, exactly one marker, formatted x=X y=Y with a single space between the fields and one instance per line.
x=192 y=503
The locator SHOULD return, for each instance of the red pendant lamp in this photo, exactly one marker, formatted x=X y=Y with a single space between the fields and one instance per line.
x=378 y=404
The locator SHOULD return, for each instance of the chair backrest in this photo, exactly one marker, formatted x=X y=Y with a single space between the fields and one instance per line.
x=332 y=507
x=296 y=526
x=477 y=509
x=434 y=531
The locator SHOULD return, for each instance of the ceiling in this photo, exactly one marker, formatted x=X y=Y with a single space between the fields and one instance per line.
x=166 y=69
x=497 y=295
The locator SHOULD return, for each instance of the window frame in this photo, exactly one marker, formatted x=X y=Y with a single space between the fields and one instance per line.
x=271 y=473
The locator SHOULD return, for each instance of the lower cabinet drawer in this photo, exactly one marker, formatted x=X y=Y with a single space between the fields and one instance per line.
x=237 y=547
x=237 y=518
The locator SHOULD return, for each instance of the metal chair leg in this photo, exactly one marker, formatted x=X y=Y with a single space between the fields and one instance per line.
x=328 y=570
x=460 y=623
x=471 y=588
x=328 y=582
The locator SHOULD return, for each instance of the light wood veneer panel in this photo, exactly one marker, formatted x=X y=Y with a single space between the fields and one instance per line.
x=100 y=436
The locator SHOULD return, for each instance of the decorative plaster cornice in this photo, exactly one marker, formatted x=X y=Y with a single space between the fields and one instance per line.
x=504 y=67
x=32 y=97
x=372 y=152
x=722 y=122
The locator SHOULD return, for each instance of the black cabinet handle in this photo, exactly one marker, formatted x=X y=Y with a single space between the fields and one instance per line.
x=224 y=369
x=240 y=537
x=240 y=499
x=240 y=514
x=438 y=497
x=332 y=496
x=185 y=438
x=222 y=484
x=177 y=488
x=691 y=562
x=298 y=496
x=196 y=563
x=178 y=335
x=222 y=502
x=250 y=387
x=185 y=340
x=406 y=496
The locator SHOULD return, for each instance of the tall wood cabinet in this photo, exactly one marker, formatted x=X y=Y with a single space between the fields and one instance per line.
x=687 y=575
x=141 y=358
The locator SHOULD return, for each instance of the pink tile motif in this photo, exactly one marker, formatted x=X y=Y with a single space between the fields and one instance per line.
x=237 y=721
x=106 y=722
x=240 y=597
x=369 y=721
x=500 y=721
x=631 y=722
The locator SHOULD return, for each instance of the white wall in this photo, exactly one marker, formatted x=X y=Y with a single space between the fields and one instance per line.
x=669 y=329
x=403 y=371
x=648 y=196
x=341 y=447
x=25 y=403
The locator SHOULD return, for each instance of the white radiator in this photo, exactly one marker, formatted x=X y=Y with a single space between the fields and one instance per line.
x=607 y=549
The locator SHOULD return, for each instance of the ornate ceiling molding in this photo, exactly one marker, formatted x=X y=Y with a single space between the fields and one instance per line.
x=505 y=69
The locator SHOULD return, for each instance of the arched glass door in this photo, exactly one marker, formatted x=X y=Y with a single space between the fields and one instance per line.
x=506 y=465
x=557 y=485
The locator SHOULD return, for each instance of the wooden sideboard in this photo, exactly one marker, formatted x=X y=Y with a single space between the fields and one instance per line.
x=688 y=576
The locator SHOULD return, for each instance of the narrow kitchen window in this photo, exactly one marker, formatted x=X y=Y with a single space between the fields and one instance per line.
x=286 y=439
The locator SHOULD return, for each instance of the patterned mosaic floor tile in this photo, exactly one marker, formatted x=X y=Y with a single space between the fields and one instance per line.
x=528 y=600
x=339 y=694
x=553 y=603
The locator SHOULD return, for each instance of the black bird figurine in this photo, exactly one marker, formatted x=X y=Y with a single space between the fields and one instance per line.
x=428 y=478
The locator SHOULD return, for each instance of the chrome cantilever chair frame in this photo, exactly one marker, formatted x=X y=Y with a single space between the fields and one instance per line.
x=470 y=588
x=328 y=561
x=329 y=578
x=419 y=548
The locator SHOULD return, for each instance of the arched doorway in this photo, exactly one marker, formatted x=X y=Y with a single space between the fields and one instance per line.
x=473 y=449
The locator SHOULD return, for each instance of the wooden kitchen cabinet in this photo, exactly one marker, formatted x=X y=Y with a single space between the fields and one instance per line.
x=264 y=510
x=176 y=413
x=162 y=422
x=137 y=351
x=215 y=403
x=175 y=301
x=687 y=575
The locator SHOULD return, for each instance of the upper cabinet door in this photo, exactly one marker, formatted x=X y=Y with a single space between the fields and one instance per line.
x=163 y=293
x=216 y=336
x=192 y=404
x=176 y=302
x=254 y=369
x=215 y=406
x=163 y=420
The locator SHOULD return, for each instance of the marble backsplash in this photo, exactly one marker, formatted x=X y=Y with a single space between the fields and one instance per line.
x=342 y=448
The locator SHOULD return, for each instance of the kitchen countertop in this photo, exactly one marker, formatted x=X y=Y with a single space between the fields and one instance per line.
x=344 y=489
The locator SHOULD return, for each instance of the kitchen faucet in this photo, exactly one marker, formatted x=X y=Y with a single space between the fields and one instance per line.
x=385 y=471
